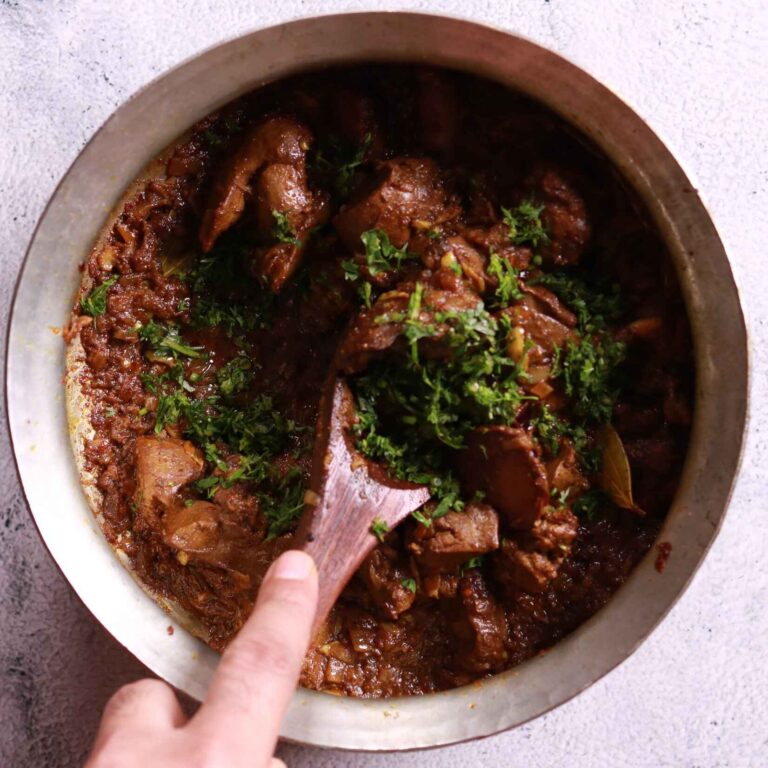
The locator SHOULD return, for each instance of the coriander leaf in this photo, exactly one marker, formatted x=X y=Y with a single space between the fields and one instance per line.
x=284 y=505
x=95 y=304
x=473 y=562
x=506 y=276
x=282 y=230
x=235 y=376
x=589 y=376
x=351 y=269
x=380 y=254
x=524 y=224
x=379 y=528
x=165 y=341
x=409 y=584
x=595 y=305
x=222 y=293
x=365 y=290
x=550 y=430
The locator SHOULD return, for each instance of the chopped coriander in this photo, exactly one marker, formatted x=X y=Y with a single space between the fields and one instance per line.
x=284 y=505
x=506 y=276
x=560 y=497
x=365 y=290
x=551 y=429
x=455 y=267
x=524 y=224
x=165 y=341
x=473 y=562
x=351 y=269
x=95 y=303
x=409 y=584
x=589 y=376
x=379 y=528
x=282 y=230
x=380 y=254
x=413 y=413
x=235 y=376
x=212 y=139
x=594 y=304
x=223 y=295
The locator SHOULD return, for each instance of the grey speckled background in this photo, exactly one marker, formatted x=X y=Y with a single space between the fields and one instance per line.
x=695 y=693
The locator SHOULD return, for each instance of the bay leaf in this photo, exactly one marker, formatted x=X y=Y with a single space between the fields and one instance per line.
x=616 y=476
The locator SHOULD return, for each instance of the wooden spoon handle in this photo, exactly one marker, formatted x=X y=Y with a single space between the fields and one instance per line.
x=337 y=551
x=350 y=493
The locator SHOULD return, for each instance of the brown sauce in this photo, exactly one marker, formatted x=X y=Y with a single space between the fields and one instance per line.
x=236 y=276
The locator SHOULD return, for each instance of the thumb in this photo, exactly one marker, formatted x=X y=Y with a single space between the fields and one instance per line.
x=259 y=670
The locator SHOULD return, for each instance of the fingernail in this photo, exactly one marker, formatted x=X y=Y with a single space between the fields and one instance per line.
x=293 y=564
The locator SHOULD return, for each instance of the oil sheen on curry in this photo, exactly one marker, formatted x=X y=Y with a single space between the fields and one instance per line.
x=505 y=316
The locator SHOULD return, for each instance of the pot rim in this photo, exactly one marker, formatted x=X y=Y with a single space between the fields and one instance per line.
x=308 y=720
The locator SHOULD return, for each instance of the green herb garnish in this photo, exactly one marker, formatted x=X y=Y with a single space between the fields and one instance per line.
x=507 y=277
x=524 y=223
x=224 y=295
x=282 y=230
x=235 y=376
x=165 y=341
x=413 y=413
x=473 y=562
x=588 y=369
x=380 y=254
x=594 y=305
x=589 y=503
x=95 y=303
x=379 y=528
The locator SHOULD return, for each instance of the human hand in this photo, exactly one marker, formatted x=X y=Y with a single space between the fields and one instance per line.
x=237 y=725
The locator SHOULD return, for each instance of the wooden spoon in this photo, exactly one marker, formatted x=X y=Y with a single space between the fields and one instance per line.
x=348 y=493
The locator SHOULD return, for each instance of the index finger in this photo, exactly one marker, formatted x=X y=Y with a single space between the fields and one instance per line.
x=258 y=672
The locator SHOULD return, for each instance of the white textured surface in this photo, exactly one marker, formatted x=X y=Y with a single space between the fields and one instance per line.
x=694 y=694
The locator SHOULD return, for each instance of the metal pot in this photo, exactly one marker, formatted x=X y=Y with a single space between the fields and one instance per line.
x=148 y=122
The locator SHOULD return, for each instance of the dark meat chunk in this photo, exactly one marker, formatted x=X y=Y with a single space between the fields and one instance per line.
x=503 y=463
x=531 y=561
x=403 y=192
x=543 y=300
x=377 y=329
x=457 y=255
x=384 y=579
x=163 y=466
x=564 y=217
x=280 y=140
x=453 y=539
x=495 y=239
x=238 y=502
x=542 y=331
x=208 y=533
x=283 y=189
x=368 y=336
x=564 y=473
x=277 y=148
x=480 y=626
x=194 y=530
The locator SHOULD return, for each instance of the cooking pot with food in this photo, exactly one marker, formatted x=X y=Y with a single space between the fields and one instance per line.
x=529 y=305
